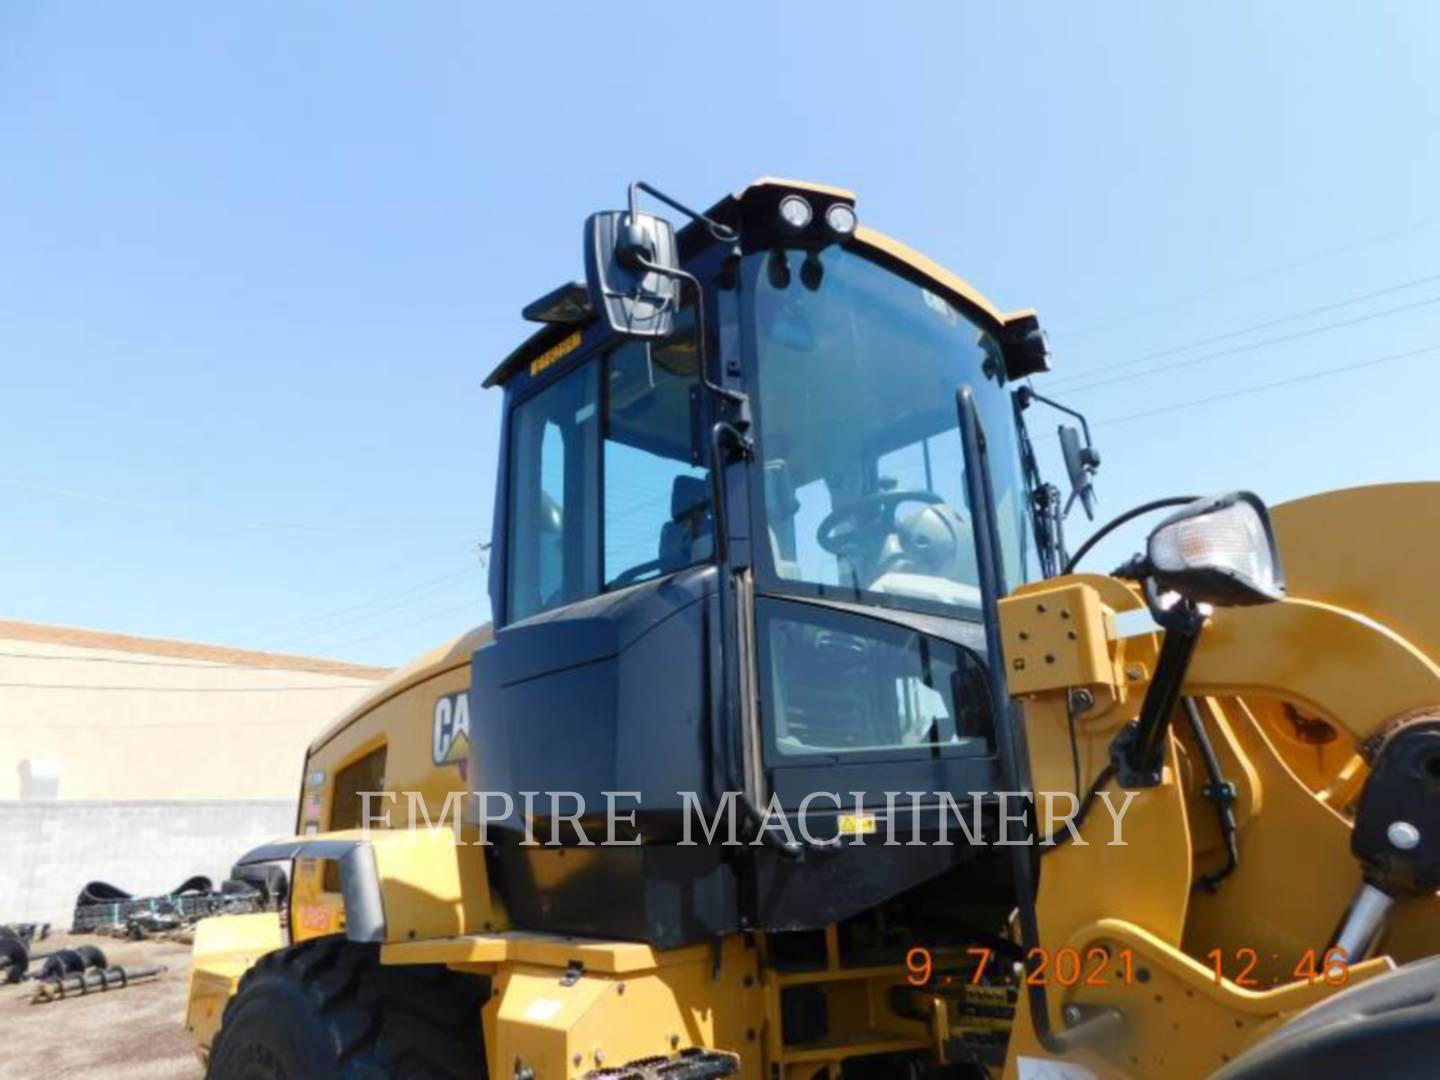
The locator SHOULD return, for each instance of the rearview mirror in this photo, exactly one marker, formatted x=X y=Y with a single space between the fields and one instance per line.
x=1081 y=461
x=631 y=272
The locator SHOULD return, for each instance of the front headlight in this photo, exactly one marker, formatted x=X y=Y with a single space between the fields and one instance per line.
x=1218 y=551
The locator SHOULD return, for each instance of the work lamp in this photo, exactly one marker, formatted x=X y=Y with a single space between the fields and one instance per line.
x=841 y=219
x=1218 y=551
x=795 y=213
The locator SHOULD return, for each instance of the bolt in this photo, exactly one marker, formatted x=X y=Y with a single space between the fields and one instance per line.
x=578 y=1058
x=599 y=1055
x=1403 y=836
x=1072 y=1014
x=674 y=1041
x=1081 y=700
x=1134 y=673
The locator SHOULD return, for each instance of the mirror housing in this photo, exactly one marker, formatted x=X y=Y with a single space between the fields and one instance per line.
x=631 y=272
x=1219 y=551
x=1081 y=462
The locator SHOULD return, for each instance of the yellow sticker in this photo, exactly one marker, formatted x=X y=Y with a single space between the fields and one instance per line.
x=857 y=824
x=554 y=353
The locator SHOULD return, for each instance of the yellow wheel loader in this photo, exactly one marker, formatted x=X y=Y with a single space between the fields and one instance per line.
x=802 y=747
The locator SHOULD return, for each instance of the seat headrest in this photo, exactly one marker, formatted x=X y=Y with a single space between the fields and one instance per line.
x=780 y=488
x=688 y=494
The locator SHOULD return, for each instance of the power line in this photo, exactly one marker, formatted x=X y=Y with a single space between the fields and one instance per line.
x=404 y=596
x=1265 y=343
x=1294 y=264
x=1083 y=376
x=470 y=606
x=196 y=509
x=1244 y=391
x=371 y=615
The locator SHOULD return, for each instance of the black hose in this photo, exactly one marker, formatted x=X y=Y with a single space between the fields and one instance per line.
x=1052 y=843
x=1219 y=791
x=1114 y=523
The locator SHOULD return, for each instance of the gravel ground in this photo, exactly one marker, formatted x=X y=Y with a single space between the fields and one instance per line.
x=137 y=1033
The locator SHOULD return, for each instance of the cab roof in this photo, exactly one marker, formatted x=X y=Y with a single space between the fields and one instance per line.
x=730 y=210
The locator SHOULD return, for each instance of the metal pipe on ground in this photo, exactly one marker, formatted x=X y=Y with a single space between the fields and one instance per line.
x=115 y=978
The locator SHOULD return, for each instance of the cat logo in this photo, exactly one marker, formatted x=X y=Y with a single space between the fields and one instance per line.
x=450 y=741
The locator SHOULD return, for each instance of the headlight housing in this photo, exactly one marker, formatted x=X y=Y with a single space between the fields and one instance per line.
x=1219 y=551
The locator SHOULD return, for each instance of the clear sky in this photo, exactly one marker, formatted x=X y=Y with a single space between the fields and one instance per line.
x=255 y=259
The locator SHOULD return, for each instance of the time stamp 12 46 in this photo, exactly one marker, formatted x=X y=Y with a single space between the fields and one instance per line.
x=1097 y=966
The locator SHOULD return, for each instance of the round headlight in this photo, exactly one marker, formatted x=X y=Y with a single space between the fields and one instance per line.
x=841 y=219
x=795 y=213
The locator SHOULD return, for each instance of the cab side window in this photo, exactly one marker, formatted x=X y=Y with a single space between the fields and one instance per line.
x=657 y=497
x=554 y=498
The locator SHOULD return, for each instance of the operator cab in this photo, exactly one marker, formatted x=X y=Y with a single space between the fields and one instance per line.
x=736 y=565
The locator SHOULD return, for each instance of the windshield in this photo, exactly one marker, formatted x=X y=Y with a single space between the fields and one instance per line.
x=864 y=488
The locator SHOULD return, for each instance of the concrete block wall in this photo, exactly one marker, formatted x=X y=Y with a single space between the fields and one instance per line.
x=49 y=849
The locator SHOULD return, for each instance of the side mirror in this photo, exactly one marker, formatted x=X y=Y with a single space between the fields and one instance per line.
x=631 y=272
x=1081 y=462
x=1219 y=551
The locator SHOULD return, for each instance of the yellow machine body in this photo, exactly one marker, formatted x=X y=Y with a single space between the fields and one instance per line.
x=1352 y=649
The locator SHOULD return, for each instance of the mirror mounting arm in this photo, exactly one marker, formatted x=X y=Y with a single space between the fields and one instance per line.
x=738 y=401
x=723 y=233
x=1081 y=462
x=1027 y=394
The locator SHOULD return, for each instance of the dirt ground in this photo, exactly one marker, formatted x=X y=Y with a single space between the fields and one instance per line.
x=137 y=1033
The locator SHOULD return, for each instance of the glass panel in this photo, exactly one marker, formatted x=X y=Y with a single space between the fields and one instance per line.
x=553 y=500
x=857 y=372
x=347 y=808
x=657 y=516
x=835 y=684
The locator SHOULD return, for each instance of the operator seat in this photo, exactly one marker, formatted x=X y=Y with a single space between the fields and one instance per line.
x=931 y=556
x=689 y=536
x=783 y=505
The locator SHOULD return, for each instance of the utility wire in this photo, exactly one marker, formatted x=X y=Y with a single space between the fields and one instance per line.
x=354 y=612
x=1265 y=343
x=196 y=509
x=1271 y=271
x=469 y=606
x=1215 y=339
x=1245 y=391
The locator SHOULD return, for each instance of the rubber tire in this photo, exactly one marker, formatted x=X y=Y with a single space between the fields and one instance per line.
x=327 y=1008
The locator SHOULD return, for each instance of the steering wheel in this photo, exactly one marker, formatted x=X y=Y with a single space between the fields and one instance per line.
x=879 y=506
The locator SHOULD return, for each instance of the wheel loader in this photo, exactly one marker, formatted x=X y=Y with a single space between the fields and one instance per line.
x=801 y=745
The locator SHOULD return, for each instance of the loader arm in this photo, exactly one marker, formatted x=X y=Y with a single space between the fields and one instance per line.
x=1215 y=971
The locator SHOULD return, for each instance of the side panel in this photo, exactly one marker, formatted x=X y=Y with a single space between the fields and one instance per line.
x=225 y=948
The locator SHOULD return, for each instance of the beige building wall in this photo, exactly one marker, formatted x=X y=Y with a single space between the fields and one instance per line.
x=140 y=718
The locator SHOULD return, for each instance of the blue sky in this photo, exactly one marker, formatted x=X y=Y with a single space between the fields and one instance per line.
x=255 y=260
